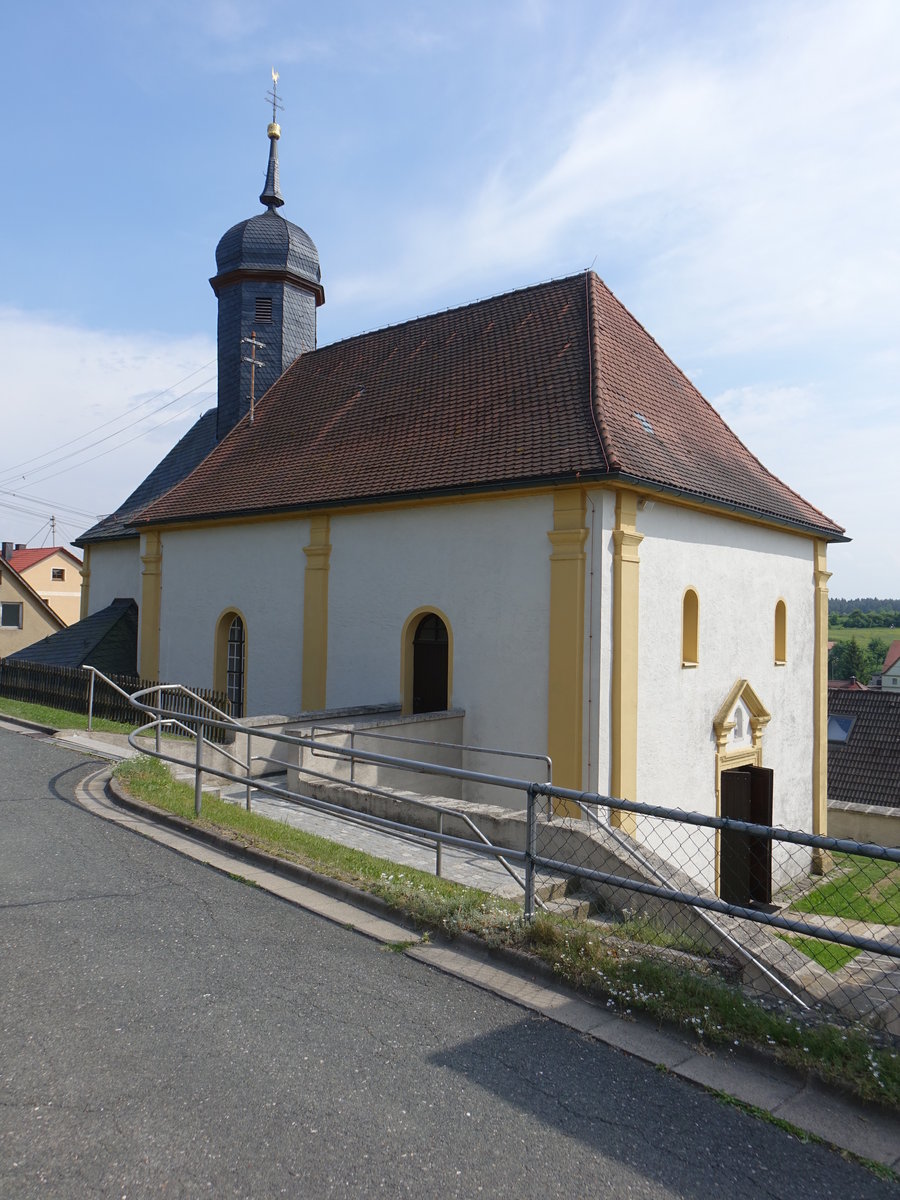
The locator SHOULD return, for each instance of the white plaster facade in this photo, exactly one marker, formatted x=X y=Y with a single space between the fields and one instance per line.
x=254 y=569
x=115 y=573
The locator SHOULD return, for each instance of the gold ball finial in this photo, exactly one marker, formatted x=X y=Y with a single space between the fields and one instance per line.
x=274 y=131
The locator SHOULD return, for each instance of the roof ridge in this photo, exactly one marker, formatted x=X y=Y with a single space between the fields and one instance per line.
x=595 y=369
x=441 y=312
x=713 y=410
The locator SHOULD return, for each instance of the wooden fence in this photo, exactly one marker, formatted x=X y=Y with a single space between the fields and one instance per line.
x=69 y=688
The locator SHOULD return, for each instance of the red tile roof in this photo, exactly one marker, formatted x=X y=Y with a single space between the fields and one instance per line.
x=892 y=656
x=552 y=383
x=21 y=560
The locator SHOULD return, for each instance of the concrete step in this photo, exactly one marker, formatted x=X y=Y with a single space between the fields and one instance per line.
x=553 y=887
x=576 y=905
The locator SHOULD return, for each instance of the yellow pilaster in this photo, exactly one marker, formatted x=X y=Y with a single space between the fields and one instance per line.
x=821 y=858
x=566 y=644
x=315 y=614
x=151 y=596
x=626 y=579
x=85 y=583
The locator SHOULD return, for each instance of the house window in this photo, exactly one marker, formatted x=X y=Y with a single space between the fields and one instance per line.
x=690 y=629
x=57 y=574
x=780 y=633
x=264 y=308
x=11 y=616
x=839 y=728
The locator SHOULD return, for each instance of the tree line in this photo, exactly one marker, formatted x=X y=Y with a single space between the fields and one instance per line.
x=851 y=660
x=864 y=612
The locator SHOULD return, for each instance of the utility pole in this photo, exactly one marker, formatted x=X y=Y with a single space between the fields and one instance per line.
x=254 y=363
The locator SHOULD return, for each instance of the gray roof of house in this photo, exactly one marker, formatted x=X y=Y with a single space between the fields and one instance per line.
x=176 y=466
x=107 y=640
x=865 y=769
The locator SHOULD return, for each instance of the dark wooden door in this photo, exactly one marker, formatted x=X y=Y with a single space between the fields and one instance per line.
x=745 y=860
x=430 y=665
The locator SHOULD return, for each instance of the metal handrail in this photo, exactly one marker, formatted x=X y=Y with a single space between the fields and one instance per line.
x=393 y=737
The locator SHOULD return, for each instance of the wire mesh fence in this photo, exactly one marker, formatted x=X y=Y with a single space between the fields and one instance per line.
x=813 y=921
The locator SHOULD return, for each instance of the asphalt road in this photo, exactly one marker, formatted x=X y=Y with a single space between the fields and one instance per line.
x=168 y=1031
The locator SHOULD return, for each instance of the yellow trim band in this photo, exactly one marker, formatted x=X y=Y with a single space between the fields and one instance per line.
x=151 y=604
x=565 y=673
x=624 y=717
x=315 y=614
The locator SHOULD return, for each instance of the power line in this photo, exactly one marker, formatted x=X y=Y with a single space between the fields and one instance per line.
x=117 y=433
x=112 y=420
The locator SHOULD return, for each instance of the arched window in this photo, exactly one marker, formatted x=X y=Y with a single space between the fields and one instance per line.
x=690 y=629
x=780 y=633
x=231 y=660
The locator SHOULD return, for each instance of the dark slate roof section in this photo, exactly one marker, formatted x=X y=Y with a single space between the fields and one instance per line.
x=268 y=242
x=549 y=384
x=179 y=462
x=866 y=768
x=106 y=640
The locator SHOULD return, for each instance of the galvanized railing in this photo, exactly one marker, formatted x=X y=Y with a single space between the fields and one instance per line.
x=667 y=881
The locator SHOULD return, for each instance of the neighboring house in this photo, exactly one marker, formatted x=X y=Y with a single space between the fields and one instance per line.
x=890 y=671
x=107 y=640
x=55 y=574
x=520 y=508
x=24 y=616
x=864 y=765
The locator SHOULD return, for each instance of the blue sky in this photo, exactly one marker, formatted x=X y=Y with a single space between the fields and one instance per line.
x=730 y=170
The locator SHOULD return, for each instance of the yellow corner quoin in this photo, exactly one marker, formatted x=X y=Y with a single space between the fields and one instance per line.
x=565 y=699
x=821 y=859
x=85 y=584
x=315 y=614
x=151 y=598
x=626 y=581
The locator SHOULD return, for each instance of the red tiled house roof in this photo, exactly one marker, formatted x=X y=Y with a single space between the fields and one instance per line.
x=21 y=560
x=549 y=384
x=892 y=656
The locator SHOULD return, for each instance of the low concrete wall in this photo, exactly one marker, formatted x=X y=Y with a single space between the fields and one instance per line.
x=363 y=732
x=864 y=823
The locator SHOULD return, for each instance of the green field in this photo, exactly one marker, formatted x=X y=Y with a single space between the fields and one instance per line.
x=863 y=636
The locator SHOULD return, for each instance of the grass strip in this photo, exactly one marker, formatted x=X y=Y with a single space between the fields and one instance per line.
x=830 y=955
x=579 y=952
x=59 y=718
x=859 y=889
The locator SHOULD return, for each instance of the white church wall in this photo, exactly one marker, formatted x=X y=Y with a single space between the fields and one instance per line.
x=739 y=571
x=256 y=569
x=485 y=566
x=115 y=573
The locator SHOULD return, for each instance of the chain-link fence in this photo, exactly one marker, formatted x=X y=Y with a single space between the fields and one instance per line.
x=812 y=920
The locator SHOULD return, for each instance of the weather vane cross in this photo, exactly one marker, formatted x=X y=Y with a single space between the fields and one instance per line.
x=273 y=96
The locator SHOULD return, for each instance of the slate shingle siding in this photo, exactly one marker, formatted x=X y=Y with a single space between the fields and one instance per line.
x=866 y=768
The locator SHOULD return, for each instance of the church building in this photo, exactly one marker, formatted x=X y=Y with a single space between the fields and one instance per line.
x=519 y=508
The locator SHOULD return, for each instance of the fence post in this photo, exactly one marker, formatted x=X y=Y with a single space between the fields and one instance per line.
x=353 y=759
x=91 y=702
x=530 y=845
x=439 y=846
x=249 y=765
x=198 y=777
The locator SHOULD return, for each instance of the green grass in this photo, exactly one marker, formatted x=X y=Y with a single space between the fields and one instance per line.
x=837 y=633
x=858 y=889
x=629 y=978
x=60 y=718
x=830 y=955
